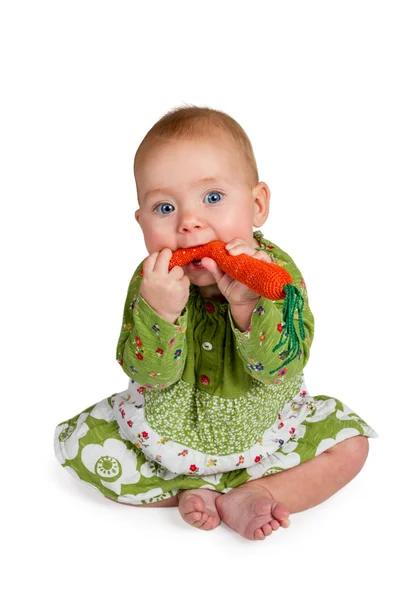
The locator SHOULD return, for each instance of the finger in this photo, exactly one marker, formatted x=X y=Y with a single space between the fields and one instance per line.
x=162 y=261
x=235 y=242
x=243 y=248
x=240 y=247
x=176 y=273
x=260 y=255
x=213 y=267
x=149 y=262
x=186 y=279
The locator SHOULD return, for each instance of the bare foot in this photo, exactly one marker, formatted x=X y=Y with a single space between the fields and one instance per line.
x=197 y=508
x=252 y=513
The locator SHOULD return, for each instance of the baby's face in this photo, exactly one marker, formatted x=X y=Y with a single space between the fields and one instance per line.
x=192 y=192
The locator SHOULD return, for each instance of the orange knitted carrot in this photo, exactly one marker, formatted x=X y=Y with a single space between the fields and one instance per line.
x=264 y=278
x=267 y=279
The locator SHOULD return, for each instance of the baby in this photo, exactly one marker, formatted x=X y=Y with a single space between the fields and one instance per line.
x=214 y=420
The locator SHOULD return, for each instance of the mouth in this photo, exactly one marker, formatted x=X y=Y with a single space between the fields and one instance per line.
x=195 y=265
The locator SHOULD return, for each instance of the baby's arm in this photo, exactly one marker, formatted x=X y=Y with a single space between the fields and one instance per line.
x=151 y=350
x=255 y=345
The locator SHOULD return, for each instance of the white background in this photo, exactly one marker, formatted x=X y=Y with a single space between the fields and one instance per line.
x=315 y=86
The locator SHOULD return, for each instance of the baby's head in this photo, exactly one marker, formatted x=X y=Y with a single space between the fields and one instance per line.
x=197 y=181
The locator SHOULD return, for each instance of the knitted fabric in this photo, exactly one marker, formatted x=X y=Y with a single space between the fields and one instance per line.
x=264 y=278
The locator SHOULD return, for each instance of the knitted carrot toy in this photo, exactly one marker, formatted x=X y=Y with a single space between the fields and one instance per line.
x=267 y=279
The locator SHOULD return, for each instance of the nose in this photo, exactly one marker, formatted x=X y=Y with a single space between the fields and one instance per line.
x=190 y=220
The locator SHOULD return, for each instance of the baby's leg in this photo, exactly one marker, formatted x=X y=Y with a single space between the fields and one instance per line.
x=258 y=507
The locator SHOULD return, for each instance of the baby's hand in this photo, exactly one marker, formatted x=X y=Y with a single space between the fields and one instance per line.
x=167 y=292
x=235 y=292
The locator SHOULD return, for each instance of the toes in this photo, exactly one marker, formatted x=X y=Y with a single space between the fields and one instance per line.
x=197 y=503
x=259 y=534
x=198 y=524
x=262 y=532
x=212 y=523
x=280 y=512
x=192 y=504
x=207 y=522
x=274 y=524
x=195 y=518
x=201 y=520
x=199 y=511
x=285 y=523
x=267 y=529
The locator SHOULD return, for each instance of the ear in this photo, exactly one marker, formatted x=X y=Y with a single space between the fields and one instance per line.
x=137 y=215
x=261 y=195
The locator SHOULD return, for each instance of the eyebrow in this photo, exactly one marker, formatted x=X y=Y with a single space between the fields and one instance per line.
x=196 y=183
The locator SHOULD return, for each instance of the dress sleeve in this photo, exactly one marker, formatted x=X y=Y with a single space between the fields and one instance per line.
x=150 y=350
x=255 y=345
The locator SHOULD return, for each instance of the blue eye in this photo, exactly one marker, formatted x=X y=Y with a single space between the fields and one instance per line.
x=215 y=196
x=211 y=194
x=164 y=204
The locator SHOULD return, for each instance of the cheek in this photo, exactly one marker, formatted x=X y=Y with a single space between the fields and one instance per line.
x=154 y=241
x=237 y=220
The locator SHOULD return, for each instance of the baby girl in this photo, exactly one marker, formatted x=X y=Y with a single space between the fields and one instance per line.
x=214 y=420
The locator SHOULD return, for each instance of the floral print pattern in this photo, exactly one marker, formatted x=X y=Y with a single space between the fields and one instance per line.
x=145 y=444
x=103 y=458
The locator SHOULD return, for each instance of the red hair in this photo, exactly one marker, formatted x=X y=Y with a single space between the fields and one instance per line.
x=198 y=122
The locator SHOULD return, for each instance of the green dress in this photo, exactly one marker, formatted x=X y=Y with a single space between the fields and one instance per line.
x=207 y=405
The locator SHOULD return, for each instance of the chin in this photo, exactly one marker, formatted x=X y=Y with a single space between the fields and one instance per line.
x=203 y=275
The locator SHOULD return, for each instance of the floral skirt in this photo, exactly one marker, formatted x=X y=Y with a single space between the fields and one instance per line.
x=93 y=448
